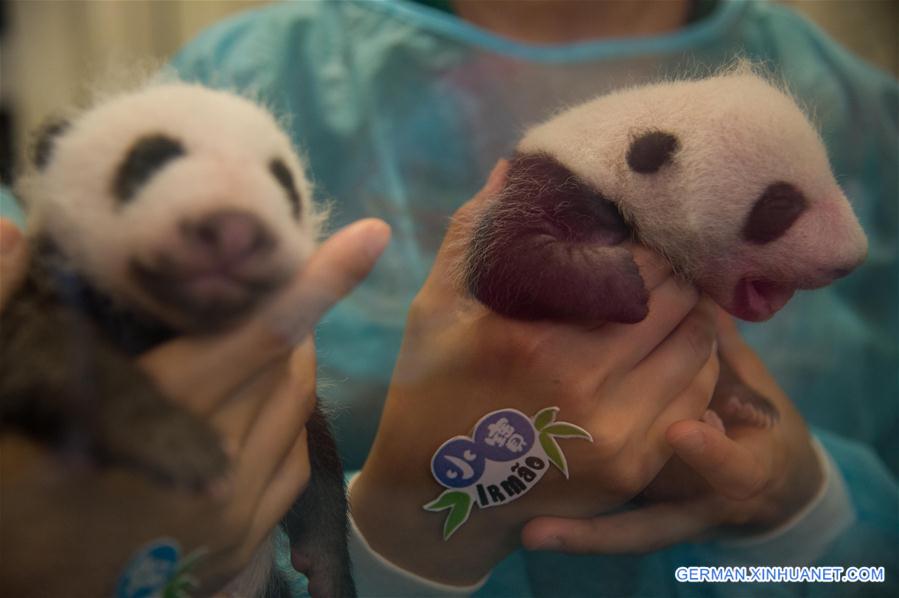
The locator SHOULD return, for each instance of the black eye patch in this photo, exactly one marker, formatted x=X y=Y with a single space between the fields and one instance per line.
x=282 y=174
x=145 y=158
x=650 y=151
x=774 y=213
x=45 y=141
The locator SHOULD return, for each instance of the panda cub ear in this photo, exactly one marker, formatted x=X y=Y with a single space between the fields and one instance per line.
x=652 y=150
x=45 y=139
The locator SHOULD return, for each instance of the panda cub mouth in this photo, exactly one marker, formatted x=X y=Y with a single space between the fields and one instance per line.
x=757 y=299
x=210 y=270
x=208 y=299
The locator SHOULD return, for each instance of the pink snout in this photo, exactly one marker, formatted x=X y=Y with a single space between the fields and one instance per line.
x=227 y=237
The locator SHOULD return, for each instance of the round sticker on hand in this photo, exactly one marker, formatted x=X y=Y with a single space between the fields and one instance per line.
x=158 y=570
x=506 y=455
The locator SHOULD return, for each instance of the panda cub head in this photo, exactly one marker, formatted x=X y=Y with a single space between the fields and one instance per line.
x=724 y=176
x=187 y=203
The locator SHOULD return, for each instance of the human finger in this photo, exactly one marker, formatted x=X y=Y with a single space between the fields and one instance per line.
x=458 y=235
x=236 y=417
x=736 y=352
x=669 y=304
x=580 y=345
x=730 y=468
x=13 y=260
x=492 y=186
x=206 y=370
x=654 y=268
x=638 y=531
x=674 y=364
x=281 y=420
x=690 y=403
x=338 y=266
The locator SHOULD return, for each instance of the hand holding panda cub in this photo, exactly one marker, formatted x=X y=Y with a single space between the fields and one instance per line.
x=725 y=177
x=172 y=210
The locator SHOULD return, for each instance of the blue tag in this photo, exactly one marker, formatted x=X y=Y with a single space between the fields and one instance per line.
x=150 y=570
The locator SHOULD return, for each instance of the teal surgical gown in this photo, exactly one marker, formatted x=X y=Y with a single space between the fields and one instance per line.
x=402 y=109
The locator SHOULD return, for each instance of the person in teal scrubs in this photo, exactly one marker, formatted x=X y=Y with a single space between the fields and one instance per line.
x=404 y=107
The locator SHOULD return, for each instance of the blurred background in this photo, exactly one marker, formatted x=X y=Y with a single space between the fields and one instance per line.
x=52 y=51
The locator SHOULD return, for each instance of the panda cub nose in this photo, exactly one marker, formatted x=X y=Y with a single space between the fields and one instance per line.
x=228 y=236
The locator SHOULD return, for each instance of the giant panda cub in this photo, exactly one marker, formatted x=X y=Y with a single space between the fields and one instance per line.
x=724 y=176
x=169 y=210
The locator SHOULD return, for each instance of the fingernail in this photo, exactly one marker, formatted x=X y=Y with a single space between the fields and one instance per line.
x=10 y=236
x=495 y=171
x=493 y=179
x=378 y=238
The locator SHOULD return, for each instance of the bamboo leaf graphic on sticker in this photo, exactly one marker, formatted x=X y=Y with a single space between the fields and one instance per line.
x=545 y=417
x=459 y=504
x=562 y=430
x=565 y=430
x=555 y=454
x=183 y=581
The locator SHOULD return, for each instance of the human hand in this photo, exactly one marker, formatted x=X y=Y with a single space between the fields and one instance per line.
x=70 y=528
x=13 y=260
x=85 y=522
x=625 y=384
x=750 y=480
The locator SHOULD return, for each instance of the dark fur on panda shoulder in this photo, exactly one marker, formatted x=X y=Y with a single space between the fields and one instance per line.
x=64 y=381
x=548 y=247
x=67 y=377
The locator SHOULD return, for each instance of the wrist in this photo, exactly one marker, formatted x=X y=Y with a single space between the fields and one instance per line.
x=377 y=576
x=387 y=506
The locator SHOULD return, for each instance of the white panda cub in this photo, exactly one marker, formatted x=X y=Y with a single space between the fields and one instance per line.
x=172 y=209
x=724 y=176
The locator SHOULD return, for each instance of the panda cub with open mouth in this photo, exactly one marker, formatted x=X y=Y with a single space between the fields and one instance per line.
x=724 y=176
x=175 y=209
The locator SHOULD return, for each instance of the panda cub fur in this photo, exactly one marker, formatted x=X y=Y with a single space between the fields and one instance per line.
x=170 y=210
x=724 y=176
